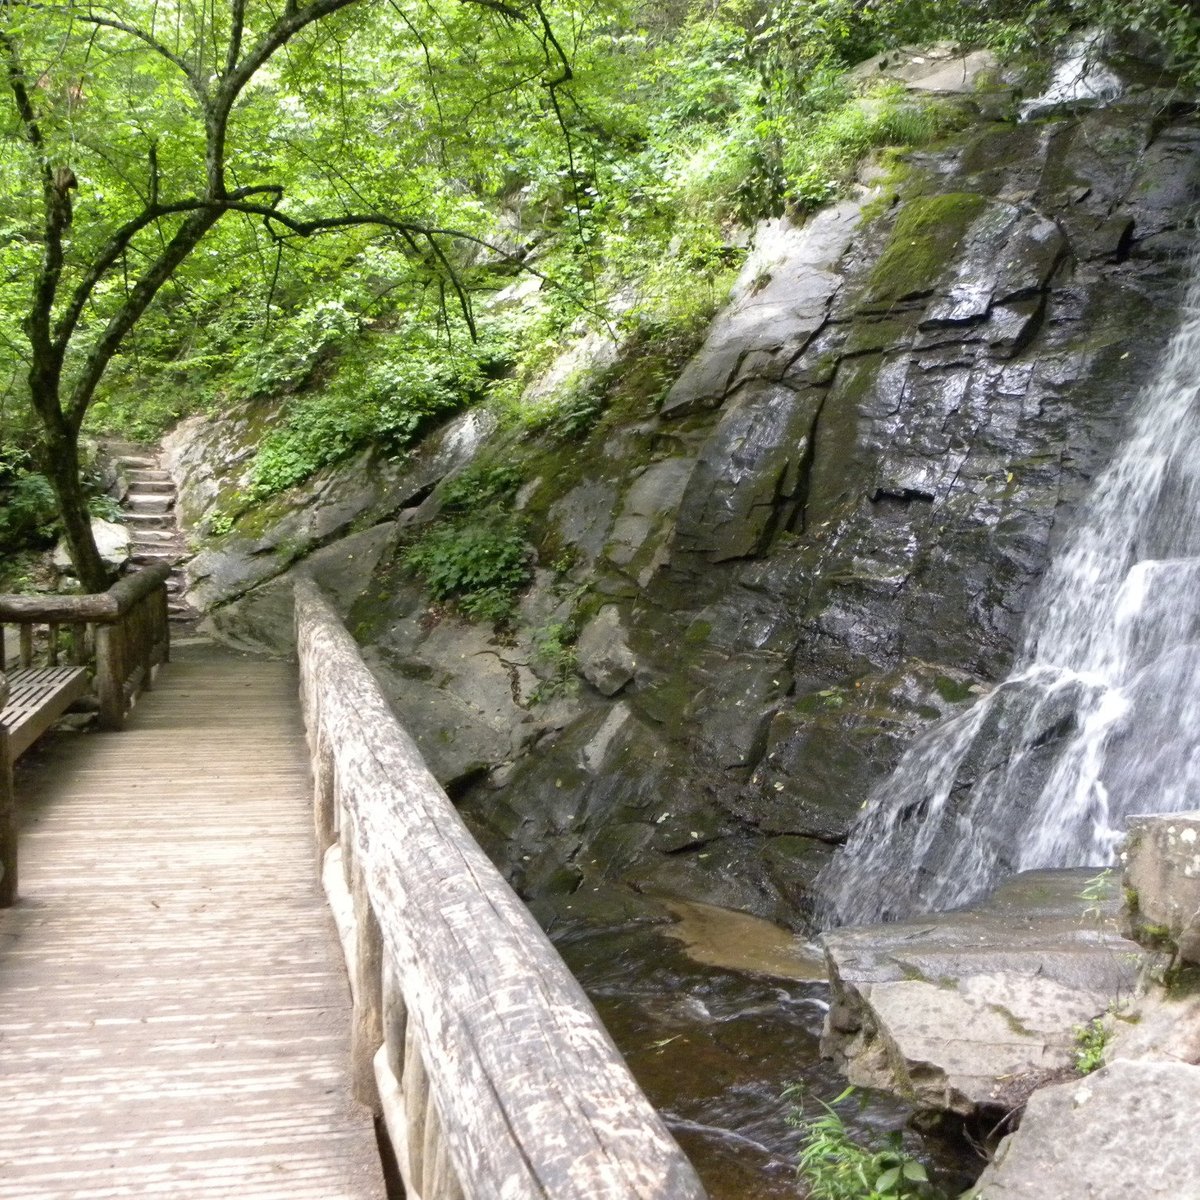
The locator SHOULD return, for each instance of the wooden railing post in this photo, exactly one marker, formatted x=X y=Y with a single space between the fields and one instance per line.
x=367 y=991
x=8 y=812
x=324 y=795
x=163 y=631
x=110 y=674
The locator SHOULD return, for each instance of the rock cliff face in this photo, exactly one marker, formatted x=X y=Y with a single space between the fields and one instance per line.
x=822 y=538
x=875 y=445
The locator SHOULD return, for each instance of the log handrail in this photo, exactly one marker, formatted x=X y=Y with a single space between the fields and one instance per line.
x=493 y=1072
x=93 y=608
x=122 y=633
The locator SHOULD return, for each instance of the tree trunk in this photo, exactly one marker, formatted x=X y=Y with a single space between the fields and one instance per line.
x=60 y=464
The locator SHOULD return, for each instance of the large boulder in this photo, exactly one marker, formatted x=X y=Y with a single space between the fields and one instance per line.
x=1161 y=862
x=969 y=1011
x=112 y=541
x=1126 y=1131
x=943 y=68
x=871 y=450
x=324 y=518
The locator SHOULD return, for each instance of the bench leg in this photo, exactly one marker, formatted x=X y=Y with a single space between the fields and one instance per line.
x=8 y=827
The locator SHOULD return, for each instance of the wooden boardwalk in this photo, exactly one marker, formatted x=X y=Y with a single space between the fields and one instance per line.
x=173 y=1005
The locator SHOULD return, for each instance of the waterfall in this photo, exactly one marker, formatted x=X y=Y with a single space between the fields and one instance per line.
x=1100 y=717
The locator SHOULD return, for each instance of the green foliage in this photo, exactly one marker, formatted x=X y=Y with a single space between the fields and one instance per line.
x=833 y=1166
x=1100 y=888
x=622 y=184
x=1171 y=26
x=106 y=507
x=220 y=523
x=28 y=516
x=385 y=391
x=554 y=650
x=480 y=485
x=568 y=412
x=479 y=563
x=1090 y=1041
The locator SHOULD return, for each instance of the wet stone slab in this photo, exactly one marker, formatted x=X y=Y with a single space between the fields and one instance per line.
x=968 y=1011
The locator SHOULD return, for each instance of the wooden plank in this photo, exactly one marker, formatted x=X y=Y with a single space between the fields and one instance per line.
x=532 y=1098
x=173 y=1011
x=39 y=697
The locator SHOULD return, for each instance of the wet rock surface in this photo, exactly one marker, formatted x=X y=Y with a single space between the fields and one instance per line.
x=970 y=1011
x=716 y=1047
x=334 y=525
x=873 y=484
x=822 y=538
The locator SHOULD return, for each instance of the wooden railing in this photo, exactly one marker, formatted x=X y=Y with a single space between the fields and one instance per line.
x=489 y=1064
x=123 y=633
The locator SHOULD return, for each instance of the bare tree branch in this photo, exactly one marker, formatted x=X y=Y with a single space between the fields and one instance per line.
x=237 y=27
x=294 y=19
x=195 y=225
x=56 y=204
x=407 y=229
x=109 y=254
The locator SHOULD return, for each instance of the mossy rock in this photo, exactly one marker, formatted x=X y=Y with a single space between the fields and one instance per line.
x=924 y=241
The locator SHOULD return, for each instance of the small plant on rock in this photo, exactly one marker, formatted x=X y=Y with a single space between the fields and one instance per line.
x=833 y=1166
x=479 y=565
x=554 y=649
x=1090 y=1041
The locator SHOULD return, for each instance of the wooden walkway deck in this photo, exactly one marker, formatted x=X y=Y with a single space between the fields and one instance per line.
x=173 y=1005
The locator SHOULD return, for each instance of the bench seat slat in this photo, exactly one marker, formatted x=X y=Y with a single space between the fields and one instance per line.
x=39 y=696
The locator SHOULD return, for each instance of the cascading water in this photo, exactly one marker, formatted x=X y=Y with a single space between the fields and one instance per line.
x=1100 y=718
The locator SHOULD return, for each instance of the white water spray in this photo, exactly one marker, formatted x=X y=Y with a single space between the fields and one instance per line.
x=1100 y=718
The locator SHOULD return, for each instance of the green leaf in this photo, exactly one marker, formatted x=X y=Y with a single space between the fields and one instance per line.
x=888 y=1180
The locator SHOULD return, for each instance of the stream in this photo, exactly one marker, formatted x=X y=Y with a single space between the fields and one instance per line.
x=717 y=1016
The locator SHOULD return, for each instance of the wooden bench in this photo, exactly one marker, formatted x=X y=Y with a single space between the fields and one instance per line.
x=37 y=697
x=115 y=640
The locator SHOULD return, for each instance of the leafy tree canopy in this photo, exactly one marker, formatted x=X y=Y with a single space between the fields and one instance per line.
x=205 y=201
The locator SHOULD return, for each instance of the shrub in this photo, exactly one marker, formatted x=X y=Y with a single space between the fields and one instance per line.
x=479 y=486
x=478 y=564
x=834 y=1166
x=28 y=510
x=1090 y=1042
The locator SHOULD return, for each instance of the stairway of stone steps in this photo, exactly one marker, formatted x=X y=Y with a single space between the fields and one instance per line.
x=154 y=533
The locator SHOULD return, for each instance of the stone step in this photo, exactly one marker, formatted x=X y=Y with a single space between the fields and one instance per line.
x=150 y=504
x=151 y=521
x=154 y=531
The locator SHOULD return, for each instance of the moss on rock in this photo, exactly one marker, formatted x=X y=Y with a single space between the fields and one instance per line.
x=925 y=238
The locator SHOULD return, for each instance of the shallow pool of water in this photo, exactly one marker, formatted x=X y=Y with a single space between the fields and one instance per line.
x=715 y=1047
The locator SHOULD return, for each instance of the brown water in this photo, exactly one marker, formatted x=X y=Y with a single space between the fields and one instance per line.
x=715 y=1043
